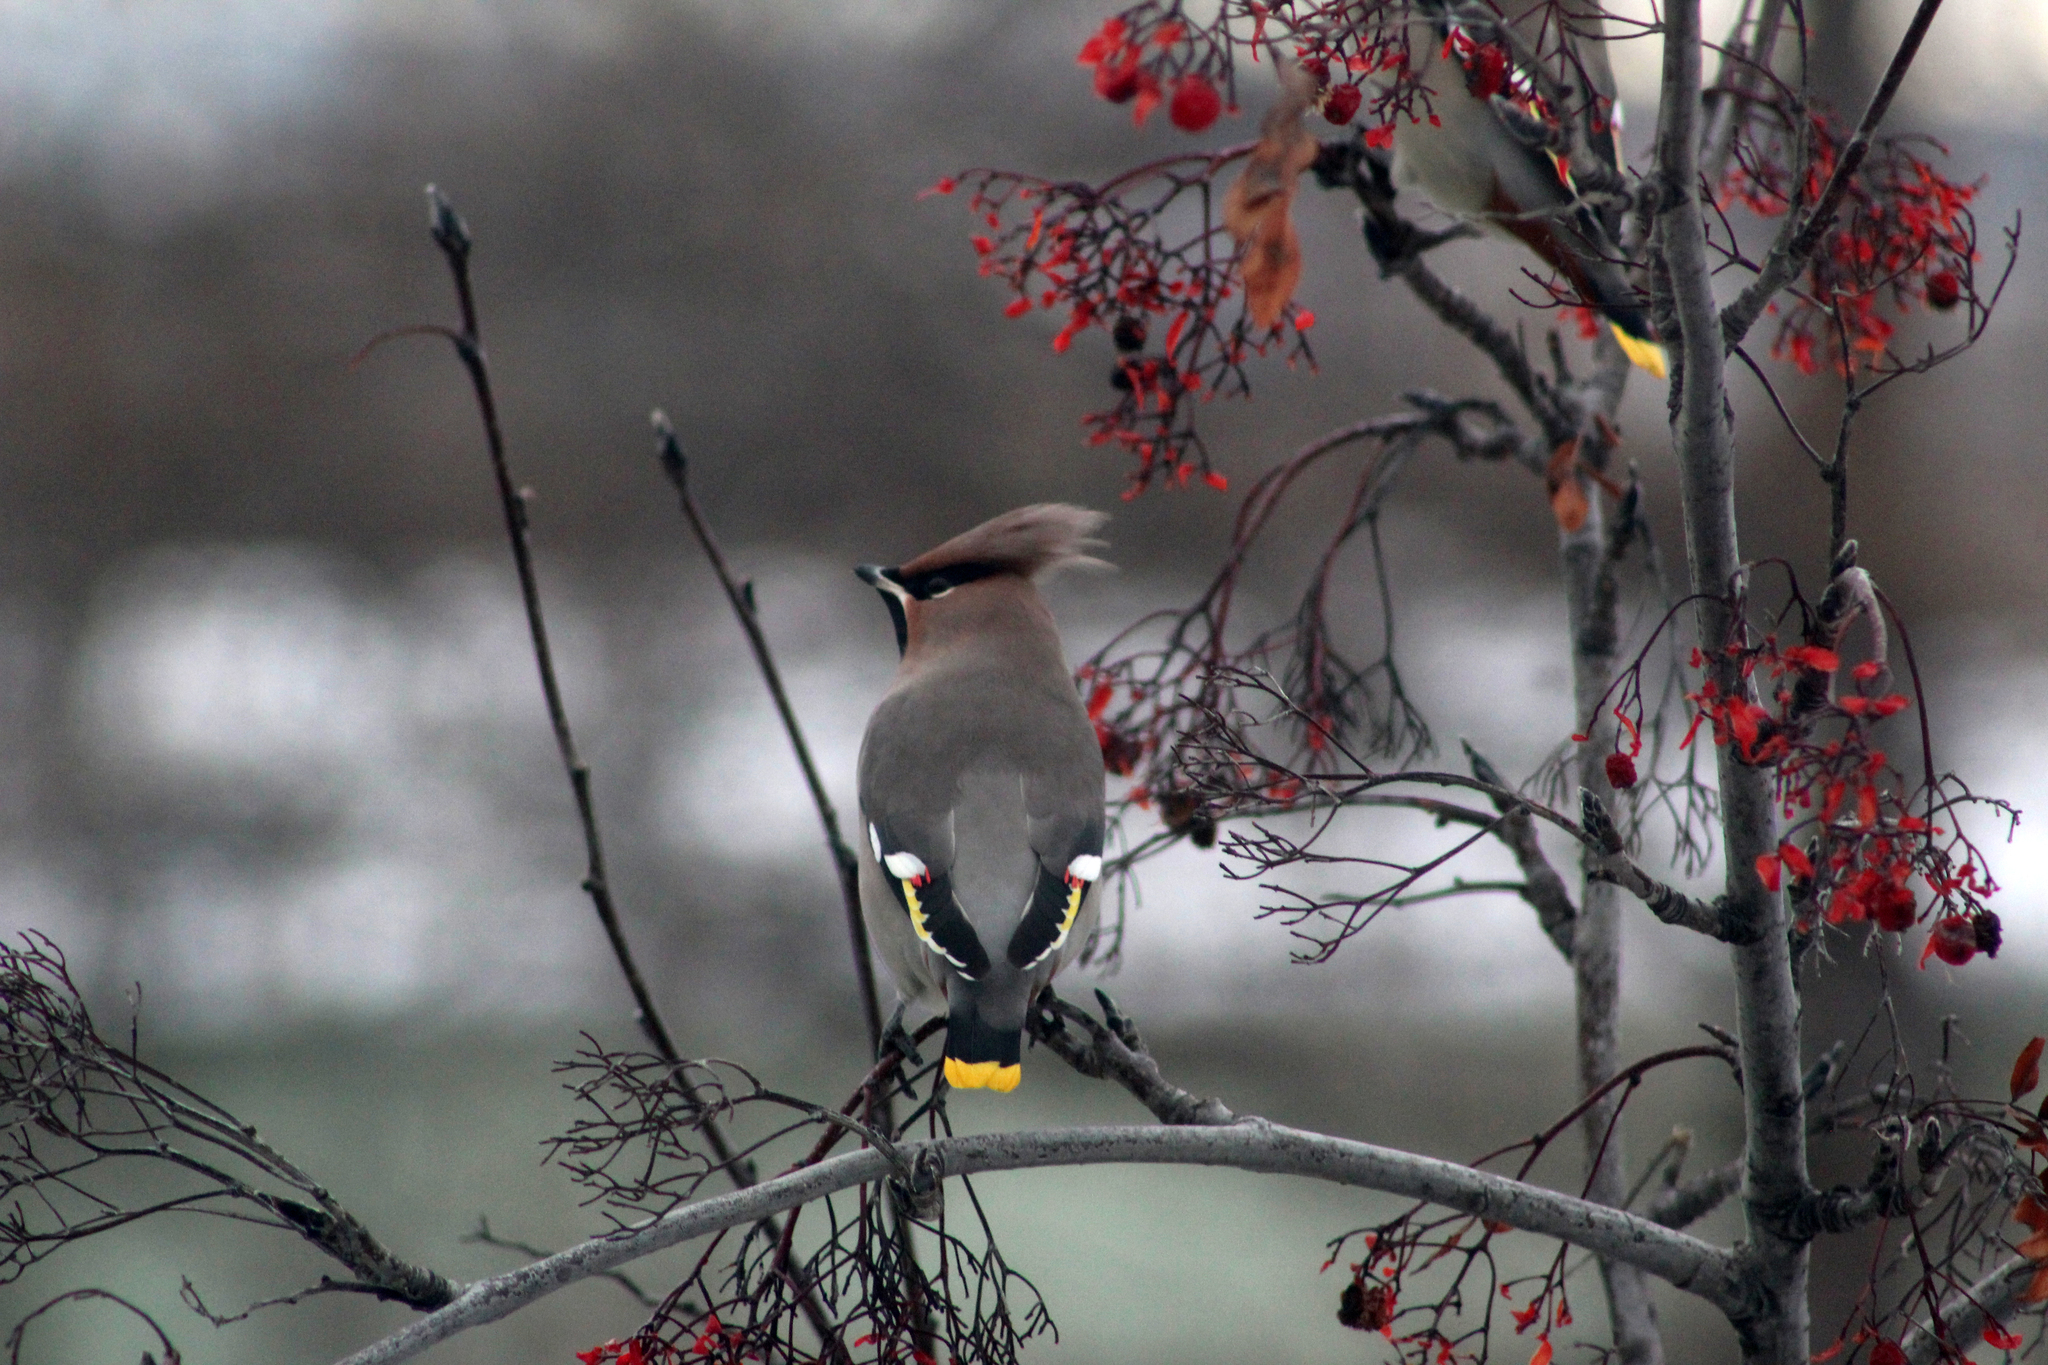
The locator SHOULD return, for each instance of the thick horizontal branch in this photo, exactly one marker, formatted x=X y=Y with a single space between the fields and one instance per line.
x=1249 y=1145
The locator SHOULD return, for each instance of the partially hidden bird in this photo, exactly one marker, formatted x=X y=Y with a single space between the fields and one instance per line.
x=981 y=787
x=1483 y=155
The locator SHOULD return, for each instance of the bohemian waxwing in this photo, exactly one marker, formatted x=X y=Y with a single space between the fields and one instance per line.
x=981 y=788
x=1483 y=156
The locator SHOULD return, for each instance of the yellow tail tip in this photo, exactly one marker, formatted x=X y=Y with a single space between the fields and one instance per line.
x=1644 y=355
x=983 y=1075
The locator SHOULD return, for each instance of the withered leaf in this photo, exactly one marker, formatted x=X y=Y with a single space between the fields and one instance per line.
x=1258 y=209
x=1567 y=496
x=2026 y=1069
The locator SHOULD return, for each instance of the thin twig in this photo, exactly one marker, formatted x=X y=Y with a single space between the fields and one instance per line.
x=741 y=598
x=452 y=236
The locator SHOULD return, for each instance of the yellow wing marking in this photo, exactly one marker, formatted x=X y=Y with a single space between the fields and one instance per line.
x=916 y=908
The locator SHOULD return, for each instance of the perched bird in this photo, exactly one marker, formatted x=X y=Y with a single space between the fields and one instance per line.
x=981 y=787
x=1490 y=153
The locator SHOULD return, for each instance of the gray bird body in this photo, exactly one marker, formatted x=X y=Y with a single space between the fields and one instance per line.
x=981 y=794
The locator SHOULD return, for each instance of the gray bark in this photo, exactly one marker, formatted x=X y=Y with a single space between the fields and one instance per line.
x=1596 y=938
x=1250 y=1145
x=1767 y=1003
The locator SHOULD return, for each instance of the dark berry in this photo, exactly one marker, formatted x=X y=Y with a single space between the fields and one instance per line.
x=1944 y=290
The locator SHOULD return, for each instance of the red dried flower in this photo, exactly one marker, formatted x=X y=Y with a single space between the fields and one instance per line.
x=1891 y=906
x=1342 y=102
x=1117 y=82
x=1621 y=771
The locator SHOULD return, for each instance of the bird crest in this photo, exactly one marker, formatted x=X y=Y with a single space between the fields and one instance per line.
x=1025 y=540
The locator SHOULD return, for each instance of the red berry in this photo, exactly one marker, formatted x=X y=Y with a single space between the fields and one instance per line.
x=1341 y=103
x=1944 y=290
x=1195 y=103
x=1117 y=84
x=1621 y=771
x=1954 y=940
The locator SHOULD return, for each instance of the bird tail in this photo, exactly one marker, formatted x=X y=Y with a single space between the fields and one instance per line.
x=1601 y=283
x=1575 y=251
x=980 y=1056
x=1642 y=352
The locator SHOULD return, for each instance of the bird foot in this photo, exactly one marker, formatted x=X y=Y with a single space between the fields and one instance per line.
x=896 y=1038
x=1118 y=1022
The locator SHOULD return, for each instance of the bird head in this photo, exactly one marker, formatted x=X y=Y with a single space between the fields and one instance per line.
x=1017 y=546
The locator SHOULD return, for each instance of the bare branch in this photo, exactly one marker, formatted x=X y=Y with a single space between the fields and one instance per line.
x=1248 y=1145
x=1767 y=1002
x=1542 y=887
x=1684 y=1204
x=452 y=236
x=741 y=597
x=1988 y=1300
x=1114 y=1050
x=14 y=1338
x=483 y=1236
x=1665 y=901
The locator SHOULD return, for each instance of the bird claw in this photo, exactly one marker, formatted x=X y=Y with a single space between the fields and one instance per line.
x=1118 y=1022
x=897 y=1038
x=922 y=1193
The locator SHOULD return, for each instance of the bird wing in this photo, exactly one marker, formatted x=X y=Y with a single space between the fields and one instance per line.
x=988 y=828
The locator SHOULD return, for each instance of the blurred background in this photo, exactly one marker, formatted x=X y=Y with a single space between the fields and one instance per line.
x=273 y=746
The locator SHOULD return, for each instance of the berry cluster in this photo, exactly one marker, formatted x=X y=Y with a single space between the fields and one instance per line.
x=1100 y=255
x=1854 y=845
x=1904 y=233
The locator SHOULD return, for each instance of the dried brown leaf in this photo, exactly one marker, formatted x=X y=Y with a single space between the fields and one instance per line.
x=2026 y=1069
x=1258 y=209
x=1567 y=496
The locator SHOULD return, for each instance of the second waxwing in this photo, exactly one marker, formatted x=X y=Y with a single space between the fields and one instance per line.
x=981 y=788
x=1472 y=162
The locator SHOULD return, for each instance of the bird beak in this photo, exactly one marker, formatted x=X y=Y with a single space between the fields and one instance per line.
x=883 y=581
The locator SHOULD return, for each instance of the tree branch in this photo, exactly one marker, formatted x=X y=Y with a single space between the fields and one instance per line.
x=452 y=236
x=1248 y=1145
x=1767 y=1004
x=1988 y=1300
x=1681 y=1206
x=1665 y=901
x=1542 y=888
x=741 y=597
x=1114 y=1051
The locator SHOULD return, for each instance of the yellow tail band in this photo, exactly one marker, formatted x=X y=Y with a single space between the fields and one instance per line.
x=1644 y=355
x=983 y=1075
